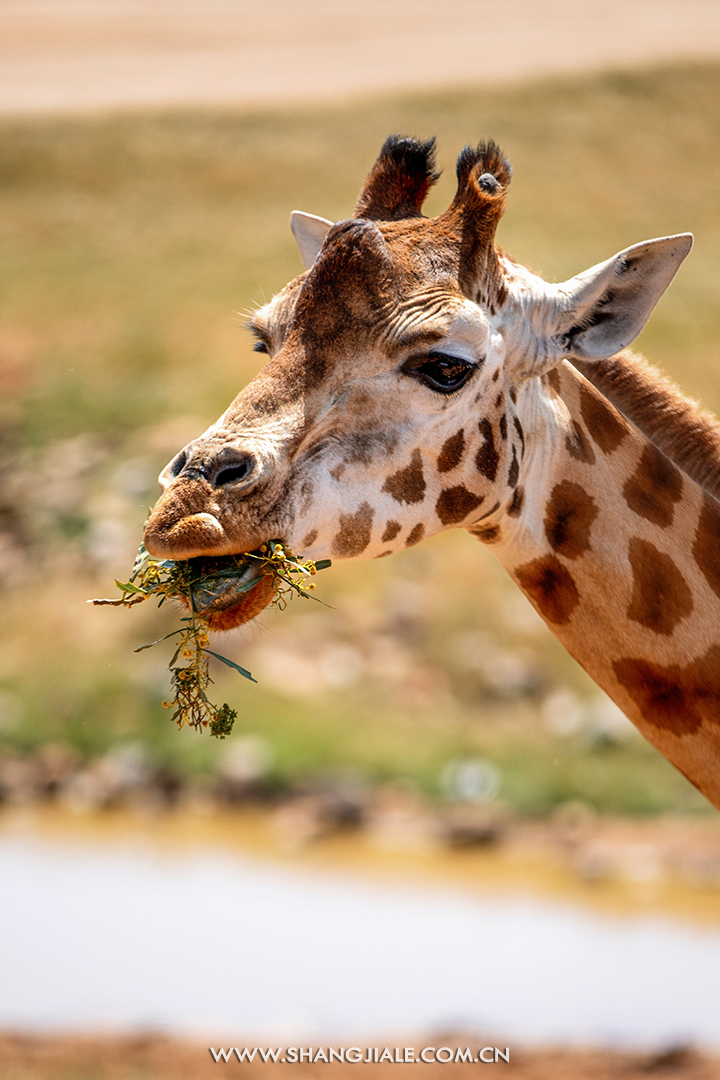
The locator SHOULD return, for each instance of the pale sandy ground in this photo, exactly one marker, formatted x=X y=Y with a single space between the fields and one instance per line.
x=78 y=55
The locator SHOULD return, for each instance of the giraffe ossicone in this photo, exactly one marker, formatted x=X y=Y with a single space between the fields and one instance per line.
x=420 y=379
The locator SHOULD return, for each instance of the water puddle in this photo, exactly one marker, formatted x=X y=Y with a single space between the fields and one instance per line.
x=114 y=935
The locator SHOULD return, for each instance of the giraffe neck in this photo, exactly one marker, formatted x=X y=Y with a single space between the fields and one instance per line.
x=618 y=549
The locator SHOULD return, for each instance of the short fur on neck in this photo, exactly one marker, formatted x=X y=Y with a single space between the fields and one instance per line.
x=688 y=435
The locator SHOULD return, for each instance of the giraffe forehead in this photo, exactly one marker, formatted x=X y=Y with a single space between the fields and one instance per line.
x=354 y=274
x=442 y=314
x=430 y=315
x=377 y=282
x=379 y=276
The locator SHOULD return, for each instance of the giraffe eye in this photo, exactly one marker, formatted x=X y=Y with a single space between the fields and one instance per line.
x=260 y=346
x=440 y=372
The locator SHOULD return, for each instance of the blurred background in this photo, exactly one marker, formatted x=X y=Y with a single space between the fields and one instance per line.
x=424 y=731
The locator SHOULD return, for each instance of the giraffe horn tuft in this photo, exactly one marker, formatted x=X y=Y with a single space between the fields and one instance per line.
x=399 y=181
x=483 y=175
x=482 y=161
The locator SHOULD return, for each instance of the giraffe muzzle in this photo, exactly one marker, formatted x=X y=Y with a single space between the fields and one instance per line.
x=215 y=502
x=185 y=521
x=229 y=466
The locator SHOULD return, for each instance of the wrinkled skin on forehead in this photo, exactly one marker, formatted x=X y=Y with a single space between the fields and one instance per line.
x=388 y=411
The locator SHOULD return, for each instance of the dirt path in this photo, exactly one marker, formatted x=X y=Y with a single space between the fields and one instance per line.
x=78 y=55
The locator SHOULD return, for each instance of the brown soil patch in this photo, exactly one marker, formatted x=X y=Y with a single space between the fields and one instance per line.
x=157 y=1058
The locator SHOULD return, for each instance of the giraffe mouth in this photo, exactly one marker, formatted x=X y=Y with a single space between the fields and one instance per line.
x=186 y=538
x=229 y=601
x=243 y=610
x=185 y=524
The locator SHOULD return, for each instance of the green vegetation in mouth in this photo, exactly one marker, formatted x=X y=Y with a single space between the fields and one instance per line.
x=215 y=590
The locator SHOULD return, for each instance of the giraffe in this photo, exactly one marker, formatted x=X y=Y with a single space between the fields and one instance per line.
x=420 y=379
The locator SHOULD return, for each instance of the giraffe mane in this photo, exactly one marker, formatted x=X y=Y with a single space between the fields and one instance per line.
x=687 y=434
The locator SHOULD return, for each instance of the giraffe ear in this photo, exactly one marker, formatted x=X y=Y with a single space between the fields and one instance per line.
x=603 y=309
x=309 y=232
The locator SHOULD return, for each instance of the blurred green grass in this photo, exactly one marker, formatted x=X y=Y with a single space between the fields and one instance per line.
x=131 y=245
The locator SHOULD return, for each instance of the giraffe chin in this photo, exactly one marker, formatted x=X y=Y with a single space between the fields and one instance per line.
x=226 y=616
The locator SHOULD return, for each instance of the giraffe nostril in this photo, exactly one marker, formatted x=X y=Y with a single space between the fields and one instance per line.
x=235 y=471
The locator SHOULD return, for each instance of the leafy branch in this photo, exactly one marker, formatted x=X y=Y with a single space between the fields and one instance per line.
x=198 y=584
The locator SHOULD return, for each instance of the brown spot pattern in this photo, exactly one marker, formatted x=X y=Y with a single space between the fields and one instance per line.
x=354 y=533
x=515 y=507
x=503 y=426
x=578 y=445
x=661 y=596
x=310 y=538
x=455 y=504
x=452 y=451
x=706 y=548
x=521 y=433
x=514 y=470
x=489 y=534
x=392 y=528
x=407 y=485
x=674 y=698
x=689 y=436
x=487 y=459
x=569 y=516
x=654 y=487
x=602 y=421
x=551 y=588
x=416 y=535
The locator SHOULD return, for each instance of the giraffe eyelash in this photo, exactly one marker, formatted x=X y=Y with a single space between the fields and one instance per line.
x=441 y=372
x=262 y=341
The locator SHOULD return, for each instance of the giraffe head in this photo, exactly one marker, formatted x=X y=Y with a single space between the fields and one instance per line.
x=387 y=411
